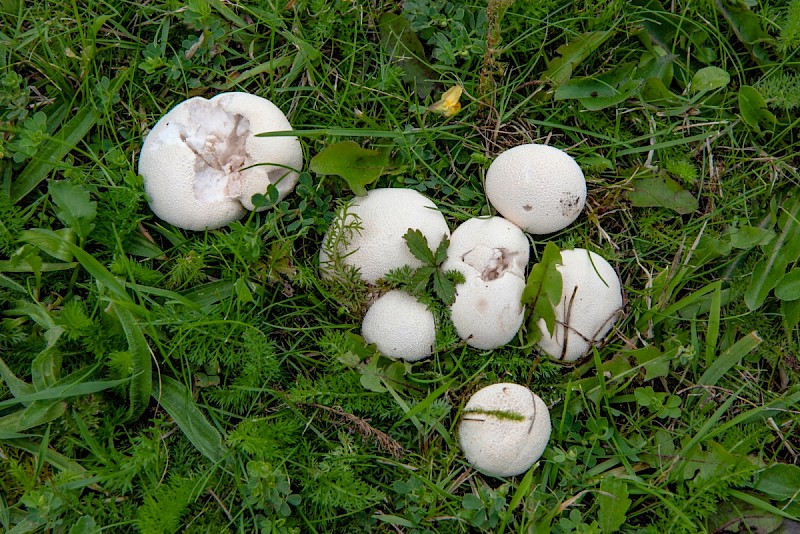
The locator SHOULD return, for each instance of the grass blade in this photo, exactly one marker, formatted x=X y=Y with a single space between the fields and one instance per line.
x=729 y=358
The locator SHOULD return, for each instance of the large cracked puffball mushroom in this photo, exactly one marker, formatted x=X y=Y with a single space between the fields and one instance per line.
x=539 y=188
x=202 y=162
x=591 y=302
x=400 y=326
x=491 y=254
x=504 y=429
x=368 y=235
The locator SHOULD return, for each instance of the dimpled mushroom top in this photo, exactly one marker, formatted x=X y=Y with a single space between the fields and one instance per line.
x=504 y=429
x=539 y=188
x=400 y=326
x=591 y=302
x=492 y=255
x=202 y=163
x=384 y=216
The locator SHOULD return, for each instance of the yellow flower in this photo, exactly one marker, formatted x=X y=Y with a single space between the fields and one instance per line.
x=448 y=105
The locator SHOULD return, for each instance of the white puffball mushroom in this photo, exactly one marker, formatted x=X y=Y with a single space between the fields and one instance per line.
x=504 y=429
x=400 y=326
x=539 y=188
x=384 y=217
x=591 y=302
x=202 y=162
x=491 y=254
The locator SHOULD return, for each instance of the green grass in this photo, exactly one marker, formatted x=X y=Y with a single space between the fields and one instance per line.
x=161 y=380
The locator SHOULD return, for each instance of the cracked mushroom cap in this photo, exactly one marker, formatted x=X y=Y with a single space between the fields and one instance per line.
x=384 y=216
x=539 y=188
x=504 y=429
x=492 y=255
x=202 y=163
x=400 y=326
x=591 y=302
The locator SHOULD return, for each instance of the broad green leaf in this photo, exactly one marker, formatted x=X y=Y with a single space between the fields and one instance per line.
x=142 y=369
x=709 y=79
x=655 y=363
x=789 y=286
x=357 y=165
x=17 y=387
x=661 y=26
x=779 y=482
x=572 y=54
x=420 y=278
x=57 y=249
x=790 y=311
x=85 y=525
x=39 y=413
x=54 y=151
x=75 y=208
x=613 y=504
x=663 y=192
x=543 y=292
x=403 y=46
x=754 y=109
x=418 y=245
x=747 y=237
x=781 y=252
x=46 y=368
x=371 y=377
x=603 y=90
x=178 y=403
x=747 y=26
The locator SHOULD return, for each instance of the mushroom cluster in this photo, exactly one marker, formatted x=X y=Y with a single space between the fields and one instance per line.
x=202 y=162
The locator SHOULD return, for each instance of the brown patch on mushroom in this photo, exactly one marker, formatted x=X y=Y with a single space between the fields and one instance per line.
x=569 y=202
x=527 y=207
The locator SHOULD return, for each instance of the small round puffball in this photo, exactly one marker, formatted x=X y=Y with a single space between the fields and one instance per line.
x=539 y=188
x=504 y=429
x=400 y=326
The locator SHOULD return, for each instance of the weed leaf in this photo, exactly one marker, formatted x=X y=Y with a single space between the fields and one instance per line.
x=572 y=54
x=141 y=371
x=754 y=109
x=709 y=79
x=75 y=209
x=543 y=292
x=663 y=192
x=613 y=504
x=357 y=165
x=444 y=288
x=789 y=286
x=404 y=47
x=418 y=245
x=781 y=252
x=178 y=403
x=54 y=151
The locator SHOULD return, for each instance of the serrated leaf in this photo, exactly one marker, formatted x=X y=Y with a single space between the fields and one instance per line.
x=613 y=504
x=75 y=207
x=662 y=192
x=789 y=286
x=357 y=165
x=444 y=288
x=440 y=255
x=420 y=278
x=418 y=245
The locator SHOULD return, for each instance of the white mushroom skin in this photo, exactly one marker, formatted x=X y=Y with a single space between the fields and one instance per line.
x=504 y=429
x=385 y=216
x=400 y=326
x=591 y=302
x=202 y=163
x=491 y=254
x=539 y=188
